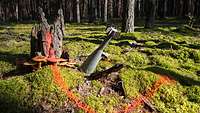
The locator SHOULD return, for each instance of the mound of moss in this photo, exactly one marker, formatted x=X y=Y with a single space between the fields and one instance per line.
x=170 y=51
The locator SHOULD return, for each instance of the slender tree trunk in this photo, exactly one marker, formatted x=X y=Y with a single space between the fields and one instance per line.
x=105 y=10
x=130 y=19
x=165 y=8
x=110 y=8
x=85 y=9
x=17 y=12
x=139 y=8
x=150 y=11
x=174 y=7
x=191 y=7
x=0 y=11
x=100 y=4
x=119 y=11
x=91 y=10
x=95 y=9
x=181 y=9
x=78 y=11
x=70 y=11
x=124 y=15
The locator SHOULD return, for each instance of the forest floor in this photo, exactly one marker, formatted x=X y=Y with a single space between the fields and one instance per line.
x=147 y=54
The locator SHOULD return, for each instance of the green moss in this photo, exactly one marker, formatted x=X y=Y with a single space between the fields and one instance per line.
x=43 y=88
x=104 y=65
x=193 y=94
x=190 y=65
x=13 y=95
x=78 y=48
x=103 y=104
x=173 y=50
x=72 y=77
x=150 y=44
x=168 y=45
x=181 y=54
x=165 y=61
x=135 y=59
x=196 y=56
x=171 y=99
x=136 y=81
x=111 y=49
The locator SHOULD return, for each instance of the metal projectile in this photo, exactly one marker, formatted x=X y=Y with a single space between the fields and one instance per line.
x=93 y=59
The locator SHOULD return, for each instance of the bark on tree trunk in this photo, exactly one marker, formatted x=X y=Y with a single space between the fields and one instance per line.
x=130 y=19
x=150 y=11
x=165 y=8
x=91 y=10
x=85 y=9
x=78 y=11
x=100 y=13
x=124 y=15
x=95 y=9
x=105 y=10
x=181 y=8
x=70 y=11
x=110 y=9
x=119 y=8
x=17 y=12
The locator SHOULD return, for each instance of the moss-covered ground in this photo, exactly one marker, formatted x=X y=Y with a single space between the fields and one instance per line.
x=147 y=54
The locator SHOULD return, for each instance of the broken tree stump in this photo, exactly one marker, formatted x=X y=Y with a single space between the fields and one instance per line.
x=58 y=33
x=45 y=36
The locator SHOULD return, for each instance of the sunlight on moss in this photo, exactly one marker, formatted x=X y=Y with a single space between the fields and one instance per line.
x=173 y=51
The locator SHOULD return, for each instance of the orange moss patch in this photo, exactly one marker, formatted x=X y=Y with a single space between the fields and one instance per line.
x=148 y=94
x=60 y=82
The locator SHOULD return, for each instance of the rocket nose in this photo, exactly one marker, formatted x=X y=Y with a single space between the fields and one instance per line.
x=109 y=30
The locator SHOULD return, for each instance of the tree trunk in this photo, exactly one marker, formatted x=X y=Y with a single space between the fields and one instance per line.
x=181 y=9
x=78 y=11
x=110 y=8
x=85 y=9
x=165 y=8
x=130 y=19
x=119 y=10
x=17 y=12
x=150 y=11
x=105 y=10
x=91 y=10
x=124 y=15
x=70 y=11
x=100 y=5
x=139 y=8
x=95 y=9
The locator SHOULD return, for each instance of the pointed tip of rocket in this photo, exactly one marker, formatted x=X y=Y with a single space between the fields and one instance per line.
x=111 y=29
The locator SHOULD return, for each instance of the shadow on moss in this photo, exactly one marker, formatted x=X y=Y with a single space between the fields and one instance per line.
x=186 y=81
x=9 y=57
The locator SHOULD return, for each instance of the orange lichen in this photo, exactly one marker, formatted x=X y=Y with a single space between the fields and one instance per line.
x=60 y=82
x=147 y=95
x=130 y=107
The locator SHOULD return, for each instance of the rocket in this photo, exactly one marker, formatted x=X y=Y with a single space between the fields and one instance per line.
x=90 y=64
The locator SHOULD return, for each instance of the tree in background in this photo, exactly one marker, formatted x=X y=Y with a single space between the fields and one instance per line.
x=78 y=11
x=105 y=10
x=97 y=10
x=128 y=22
x=150 y=13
